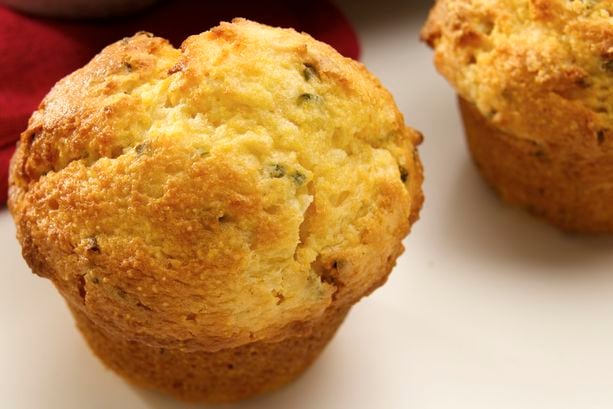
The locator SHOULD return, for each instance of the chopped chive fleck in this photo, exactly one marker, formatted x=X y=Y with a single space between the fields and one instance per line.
x=583 y=83
x=279 y=296
x=298 y=178
x=92 y=245
x=309 y=72
x=201 y=152
x=142 y=148
x=308 y=98
x=338 y=264
x=404 y=174
x=276 y=170
x=128 y=66
x=121 y=293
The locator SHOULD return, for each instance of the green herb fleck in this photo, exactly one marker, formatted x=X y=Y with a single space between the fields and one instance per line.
x=201 y=152
x=142 y=148
x=338 y=264
x=298 y=178
x=279 y=296
x=92 y=245
x=404 y=174
x=308 y=98
x=309 y=72
x=582 y=83
x=276 y=170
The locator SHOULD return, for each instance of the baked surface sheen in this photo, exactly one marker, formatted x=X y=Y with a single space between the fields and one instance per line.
x=222 y=193
x=538 y=69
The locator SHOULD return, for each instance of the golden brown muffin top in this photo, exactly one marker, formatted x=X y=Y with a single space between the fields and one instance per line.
x=223 y=193
x=537 y=68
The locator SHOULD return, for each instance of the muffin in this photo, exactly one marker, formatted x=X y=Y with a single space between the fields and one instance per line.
x=211 y=213
x=535 y=86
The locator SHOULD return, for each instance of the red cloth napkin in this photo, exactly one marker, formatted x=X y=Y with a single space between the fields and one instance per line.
x=37 y=52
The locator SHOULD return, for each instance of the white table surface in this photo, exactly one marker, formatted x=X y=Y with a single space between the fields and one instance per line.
x=488 y=308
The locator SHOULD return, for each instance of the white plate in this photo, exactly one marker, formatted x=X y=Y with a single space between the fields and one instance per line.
x=488 y=308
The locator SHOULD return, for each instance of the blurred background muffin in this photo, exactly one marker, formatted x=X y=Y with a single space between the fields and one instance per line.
x=211 y=213
x=535 y=86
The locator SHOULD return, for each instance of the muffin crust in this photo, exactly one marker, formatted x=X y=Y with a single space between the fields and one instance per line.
x=227 y=193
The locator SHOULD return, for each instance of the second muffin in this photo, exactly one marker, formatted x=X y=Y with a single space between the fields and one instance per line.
x=535 y=83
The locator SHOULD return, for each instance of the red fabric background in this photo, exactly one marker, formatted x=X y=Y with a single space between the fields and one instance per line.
x=37 y=52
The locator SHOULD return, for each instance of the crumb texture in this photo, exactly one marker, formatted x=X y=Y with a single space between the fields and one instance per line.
x=223 y=193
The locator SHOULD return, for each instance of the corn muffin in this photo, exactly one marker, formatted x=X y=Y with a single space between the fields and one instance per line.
x=535 y=84
x=211 y=213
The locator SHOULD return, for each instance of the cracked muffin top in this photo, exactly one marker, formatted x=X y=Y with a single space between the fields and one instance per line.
x=221 y=193
x=540 y=69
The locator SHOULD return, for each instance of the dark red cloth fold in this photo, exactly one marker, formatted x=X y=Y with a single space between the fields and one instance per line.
x=37 y=52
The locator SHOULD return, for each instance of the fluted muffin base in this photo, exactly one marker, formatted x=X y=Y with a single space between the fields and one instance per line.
x=227 y=375
x=571 y=192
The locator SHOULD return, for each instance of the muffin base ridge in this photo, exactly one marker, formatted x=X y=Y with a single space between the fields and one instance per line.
x=572 y=193
x=224 y=376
